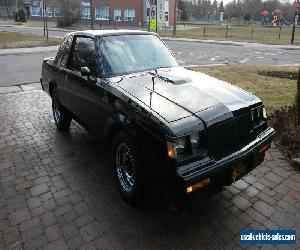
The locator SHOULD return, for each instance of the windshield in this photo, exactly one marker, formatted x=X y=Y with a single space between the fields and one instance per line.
x=120 y=55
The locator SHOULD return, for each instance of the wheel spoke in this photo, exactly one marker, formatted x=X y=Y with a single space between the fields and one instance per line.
x=125 y=167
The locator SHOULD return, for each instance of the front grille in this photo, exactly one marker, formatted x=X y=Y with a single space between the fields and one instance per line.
x=230 y=135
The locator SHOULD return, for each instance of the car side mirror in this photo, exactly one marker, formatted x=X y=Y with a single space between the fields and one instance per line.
x=85 y=71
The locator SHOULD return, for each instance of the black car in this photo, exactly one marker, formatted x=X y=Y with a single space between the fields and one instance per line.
x=167 y=126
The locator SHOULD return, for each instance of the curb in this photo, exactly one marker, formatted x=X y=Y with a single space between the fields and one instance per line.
x=202 y=41
x=4 y=52
x=26 y=87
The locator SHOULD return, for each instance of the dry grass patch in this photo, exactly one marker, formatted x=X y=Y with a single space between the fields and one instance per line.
x=275 y=86
x=9 y=40
x=267 y=35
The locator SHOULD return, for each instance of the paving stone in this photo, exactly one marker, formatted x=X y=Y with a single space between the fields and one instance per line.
x=76 y=242
x=45 y=196
x=241 y=185
x=70 y=230
x=241 y=202
x=264 y=208
x=11 y=235
x=49 y=219
x=26 y=225
x=36 y=243
x=53 y=232
x=283 y=220
x=274 y=178
x=19 y=216
x=255 y=215
x=259 y=186
x=34 y=202
x=251 y=191
x=32 y=233
x=90 y=231
x=59 y=244
x=39 y=189
x=56 y=193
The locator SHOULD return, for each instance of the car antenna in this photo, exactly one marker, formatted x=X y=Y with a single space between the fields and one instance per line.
x=153 y=82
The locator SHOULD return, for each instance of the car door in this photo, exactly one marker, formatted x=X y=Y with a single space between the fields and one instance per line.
x=61 y=64
x=83 y=93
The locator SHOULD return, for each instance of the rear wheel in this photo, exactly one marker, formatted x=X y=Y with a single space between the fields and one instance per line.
x=62 y=117
x=127 y=168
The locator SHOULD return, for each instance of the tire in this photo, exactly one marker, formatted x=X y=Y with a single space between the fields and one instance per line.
x=129 y=174
x=62 y=117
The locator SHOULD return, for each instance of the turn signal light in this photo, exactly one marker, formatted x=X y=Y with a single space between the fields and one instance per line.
x=198 y=185
x=264 y=148
x=171 y=150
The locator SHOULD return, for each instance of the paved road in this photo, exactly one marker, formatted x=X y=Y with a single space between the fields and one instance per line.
x=56 y=192
x=25 y=68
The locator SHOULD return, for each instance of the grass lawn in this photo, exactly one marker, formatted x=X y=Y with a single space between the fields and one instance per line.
x=10 y=40
x=274 y=90
x=267 y=35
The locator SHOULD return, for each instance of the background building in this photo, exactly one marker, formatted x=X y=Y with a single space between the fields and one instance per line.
x=122 y=12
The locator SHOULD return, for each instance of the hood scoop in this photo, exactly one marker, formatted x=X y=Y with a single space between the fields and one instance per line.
x=171 y=78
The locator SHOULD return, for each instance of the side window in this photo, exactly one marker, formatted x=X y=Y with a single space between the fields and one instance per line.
x=84 y=55
x=63 y=53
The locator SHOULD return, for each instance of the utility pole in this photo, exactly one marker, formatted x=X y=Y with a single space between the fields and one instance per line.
x=43 y=13
x=46 y=20
x=156 y=17
x=92 y=14
x=175 y=17
x=294 y=28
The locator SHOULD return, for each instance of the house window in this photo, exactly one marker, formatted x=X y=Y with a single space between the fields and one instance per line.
x=86 y=12
x=57 y=12
x=129 y=15
x=49 y=10
x=117 y=15
x=102 y=13
x=35 y=11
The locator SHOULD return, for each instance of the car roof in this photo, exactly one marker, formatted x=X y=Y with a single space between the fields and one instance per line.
x=94 y=33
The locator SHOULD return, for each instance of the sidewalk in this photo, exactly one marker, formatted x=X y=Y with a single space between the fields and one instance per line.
x=27 y=50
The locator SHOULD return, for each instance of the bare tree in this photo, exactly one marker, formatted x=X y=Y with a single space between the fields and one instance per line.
x=70 y=12
x=92 y=14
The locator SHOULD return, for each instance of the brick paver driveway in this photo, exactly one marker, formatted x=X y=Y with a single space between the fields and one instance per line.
x=56 y=192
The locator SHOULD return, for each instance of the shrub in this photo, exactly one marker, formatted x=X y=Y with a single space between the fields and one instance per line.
x=21 y=16
x=297 y=99
x=287 y=124
x=70 y=12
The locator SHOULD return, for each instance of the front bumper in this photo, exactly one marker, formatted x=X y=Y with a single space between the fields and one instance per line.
x=249 y=155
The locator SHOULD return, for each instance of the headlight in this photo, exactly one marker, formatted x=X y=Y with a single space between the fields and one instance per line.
x=264 y=113
x=258 y=114
x=176 y=147
x=188 y=146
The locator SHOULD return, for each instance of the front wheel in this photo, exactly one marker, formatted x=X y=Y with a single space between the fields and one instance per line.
x=62 y=117
x=127 y=168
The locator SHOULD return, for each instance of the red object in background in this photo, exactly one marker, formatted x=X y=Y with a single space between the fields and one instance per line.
x=265 y=13
x=298 y=6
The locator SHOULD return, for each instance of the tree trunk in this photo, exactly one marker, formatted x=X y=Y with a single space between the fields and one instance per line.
x=92 y=14
x=298 y=94
x=175 y=17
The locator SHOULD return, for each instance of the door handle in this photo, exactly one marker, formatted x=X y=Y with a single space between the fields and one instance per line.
x=66 y=77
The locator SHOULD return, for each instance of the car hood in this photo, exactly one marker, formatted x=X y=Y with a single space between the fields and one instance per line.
x=176 y=93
